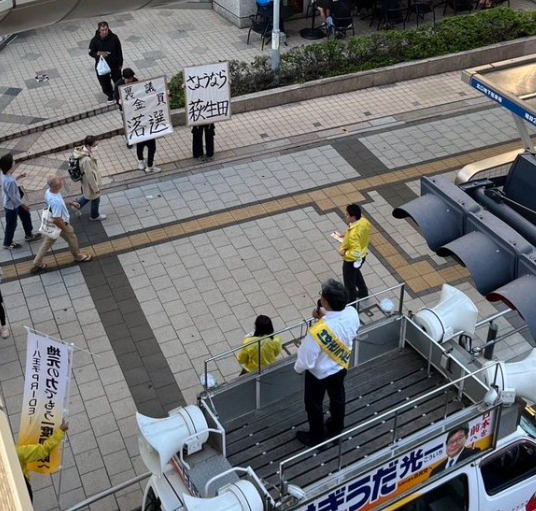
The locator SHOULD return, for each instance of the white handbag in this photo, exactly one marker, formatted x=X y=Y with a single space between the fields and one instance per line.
x=48 y=227
x=102 y=67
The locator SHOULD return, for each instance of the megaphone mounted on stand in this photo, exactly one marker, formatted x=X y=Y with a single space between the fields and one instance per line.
x=453 y=313
x=160 y=439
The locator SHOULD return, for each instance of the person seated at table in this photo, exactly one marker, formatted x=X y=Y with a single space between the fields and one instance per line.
x=339 y=9
x=324 y=8
x=271 y=347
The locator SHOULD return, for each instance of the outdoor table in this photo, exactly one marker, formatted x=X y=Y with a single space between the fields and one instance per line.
x=312 y=33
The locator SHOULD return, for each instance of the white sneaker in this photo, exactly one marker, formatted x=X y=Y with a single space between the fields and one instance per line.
x=100 y=218
x=110 y=102
x=141 y=165
x=5 y=332
x=154 y=169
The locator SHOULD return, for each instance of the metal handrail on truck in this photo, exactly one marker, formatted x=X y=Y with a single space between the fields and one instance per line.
x=303 y=327
x=394 y=413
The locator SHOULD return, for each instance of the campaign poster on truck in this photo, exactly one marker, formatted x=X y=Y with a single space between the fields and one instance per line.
x=404 y=473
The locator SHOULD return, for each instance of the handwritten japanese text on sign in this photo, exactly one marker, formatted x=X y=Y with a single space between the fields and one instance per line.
x=146 y=110
x=45 y=393
x=208 y=93
x=399 y=475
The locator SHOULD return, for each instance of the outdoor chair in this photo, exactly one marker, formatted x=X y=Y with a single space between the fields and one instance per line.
x=420 y=8
x=340 y=27
x=391 y=13
x=260 y=25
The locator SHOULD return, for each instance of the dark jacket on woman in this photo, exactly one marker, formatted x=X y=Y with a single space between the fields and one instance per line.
x=110 y=43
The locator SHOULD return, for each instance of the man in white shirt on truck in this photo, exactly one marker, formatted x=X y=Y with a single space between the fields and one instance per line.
x=324 y=357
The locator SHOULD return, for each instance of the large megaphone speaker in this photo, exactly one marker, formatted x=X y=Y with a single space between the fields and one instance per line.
x=519 y=376
x=240 y=496
x=160 y=439
x=454 y=312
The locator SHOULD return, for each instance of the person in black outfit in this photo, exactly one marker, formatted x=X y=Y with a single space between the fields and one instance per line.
x=106 y=44
x=149 y=166
x=128 y=76
x=197 y=142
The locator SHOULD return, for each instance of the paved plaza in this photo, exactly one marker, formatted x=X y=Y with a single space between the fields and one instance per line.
x=187 y=259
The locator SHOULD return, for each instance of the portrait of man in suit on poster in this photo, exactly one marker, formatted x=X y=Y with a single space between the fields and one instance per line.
x=456 y=450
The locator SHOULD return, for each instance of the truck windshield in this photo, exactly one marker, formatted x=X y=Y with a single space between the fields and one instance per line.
x=528 y=426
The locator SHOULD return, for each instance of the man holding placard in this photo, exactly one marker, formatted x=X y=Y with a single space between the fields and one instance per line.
x=207 y=101
x=146 y=115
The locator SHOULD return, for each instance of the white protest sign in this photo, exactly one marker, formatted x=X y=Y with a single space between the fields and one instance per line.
x=45 y=391
x=208 y=94
x=146 y=110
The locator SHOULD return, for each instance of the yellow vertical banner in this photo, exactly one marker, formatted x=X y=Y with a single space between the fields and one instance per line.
x=46 y=386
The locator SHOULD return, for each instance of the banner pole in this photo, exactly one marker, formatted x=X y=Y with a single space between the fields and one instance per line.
x=66 y=414
x=72 y=345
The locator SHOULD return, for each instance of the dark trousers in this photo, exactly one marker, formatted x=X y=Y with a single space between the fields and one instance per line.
x=107 y=82
x=353 y=281
x=151 y=150
x=2 y=312
x=95 y=203
x=197 y=141
x=11 y=223
x=315 y=391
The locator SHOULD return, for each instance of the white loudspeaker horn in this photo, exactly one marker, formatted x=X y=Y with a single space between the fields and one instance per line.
x=160 y=439
x=240 y=496
x=520 y=376
x=454 y=312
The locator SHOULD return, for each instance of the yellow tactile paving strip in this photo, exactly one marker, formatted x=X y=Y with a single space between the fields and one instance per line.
x=419 y=276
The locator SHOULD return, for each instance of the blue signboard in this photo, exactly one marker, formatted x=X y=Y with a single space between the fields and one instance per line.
x=504 y=102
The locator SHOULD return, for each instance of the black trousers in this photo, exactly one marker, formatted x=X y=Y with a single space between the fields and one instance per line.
x=151 y=150
x=353 y=281
x=315 y=391
x=107 y=82
x=197 y=141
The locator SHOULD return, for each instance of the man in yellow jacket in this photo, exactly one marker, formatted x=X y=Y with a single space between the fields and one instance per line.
x=35 y=452
x=354 y=249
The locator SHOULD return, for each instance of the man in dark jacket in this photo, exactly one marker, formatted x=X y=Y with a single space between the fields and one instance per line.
x=107 y=45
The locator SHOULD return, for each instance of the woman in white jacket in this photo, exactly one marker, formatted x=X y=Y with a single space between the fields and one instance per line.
x=91 y=179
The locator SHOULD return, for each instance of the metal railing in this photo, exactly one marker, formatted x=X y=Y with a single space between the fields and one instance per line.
x=108 y=492
x=496 y=166
x=394 y=414
x=301 y=329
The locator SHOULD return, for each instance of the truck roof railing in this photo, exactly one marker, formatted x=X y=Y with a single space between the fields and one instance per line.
x=393 y=413
x=301 y=331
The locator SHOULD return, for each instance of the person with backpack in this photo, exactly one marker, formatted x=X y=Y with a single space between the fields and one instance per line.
x=14 y=206
x=89 y=177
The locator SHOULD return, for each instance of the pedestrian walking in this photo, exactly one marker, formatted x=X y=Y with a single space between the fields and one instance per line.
x=91 y=179
x=353 y=250
x=197 y=141
x=106 y=46
x=14 y=206
x=60 y=217
x=324 y=357
x=270 y=346
x=36 y=452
